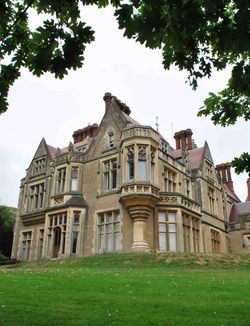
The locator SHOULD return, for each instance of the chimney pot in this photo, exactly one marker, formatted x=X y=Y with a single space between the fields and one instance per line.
x=248 y=188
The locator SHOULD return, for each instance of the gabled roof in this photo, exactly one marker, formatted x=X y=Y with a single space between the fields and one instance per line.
x=44 y=149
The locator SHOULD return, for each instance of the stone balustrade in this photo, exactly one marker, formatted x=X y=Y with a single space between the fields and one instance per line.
x=179 y=200
x=137 y=131
x=145 y=189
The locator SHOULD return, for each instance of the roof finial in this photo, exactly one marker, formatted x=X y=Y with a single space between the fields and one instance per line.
x=156 y=123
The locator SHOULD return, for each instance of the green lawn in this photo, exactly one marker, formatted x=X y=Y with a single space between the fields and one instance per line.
x=128 y=290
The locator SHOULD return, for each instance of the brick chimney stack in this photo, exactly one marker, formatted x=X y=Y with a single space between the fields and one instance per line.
x=224 y=171
x=248 y=188
x=80 y=134
x=183 y=139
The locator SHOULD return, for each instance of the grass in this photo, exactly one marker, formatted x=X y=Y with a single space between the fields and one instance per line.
x=123 y=289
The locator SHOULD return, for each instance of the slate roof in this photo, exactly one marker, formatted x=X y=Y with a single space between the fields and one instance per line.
x=195 y=156
x=130 y=120
x=52 y=151
x=239 y=210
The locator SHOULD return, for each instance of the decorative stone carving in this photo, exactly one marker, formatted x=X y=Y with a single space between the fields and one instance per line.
x=58 y=200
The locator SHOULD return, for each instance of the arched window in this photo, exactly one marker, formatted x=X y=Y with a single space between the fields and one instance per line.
x=74 y=179
x=142 y=163
x=111 y=139
x=131 y=163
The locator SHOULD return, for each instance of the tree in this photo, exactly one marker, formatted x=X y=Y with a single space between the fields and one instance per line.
x=7 y=219
x=196 y=35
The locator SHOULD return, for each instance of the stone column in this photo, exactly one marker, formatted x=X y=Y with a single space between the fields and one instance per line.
x=139 y=216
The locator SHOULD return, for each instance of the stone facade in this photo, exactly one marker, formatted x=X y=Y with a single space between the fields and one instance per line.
x=120 y=187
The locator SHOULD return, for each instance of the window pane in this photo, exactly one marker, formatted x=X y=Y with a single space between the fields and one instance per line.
x=116 y=227
x=162 y=217
x=117 y=241
x=116 y=216
x=142 y=170
x=172 y=227
x=162 y=242
x=109 y=228
x=109 y=242
x=109 y=218
x=172 y=241
x=74 y=184
x=101 y=242
x=162 y=227
x=171 y=216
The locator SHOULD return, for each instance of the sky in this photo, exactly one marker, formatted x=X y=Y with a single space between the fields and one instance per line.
x=54 y=109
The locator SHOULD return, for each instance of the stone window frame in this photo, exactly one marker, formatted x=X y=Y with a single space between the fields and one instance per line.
x=170 y=179
x=61 y=174
x=108 y=231
x=39 y=165
x=36 y=196
x=209 y=171
x=110 y=174
x=167 y=226
x=74 y=178
x=211 y=192
x=59 y=219
x=40 y=242
x=26 y=242
x=215 y=240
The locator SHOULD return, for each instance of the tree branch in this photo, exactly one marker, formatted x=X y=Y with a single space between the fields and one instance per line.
x=16 y=21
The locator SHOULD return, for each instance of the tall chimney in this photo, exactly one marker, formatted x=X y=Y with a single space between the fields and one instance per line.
x=224 y=170
x=248 y=188
x=177 y=140
x=189 y=134
x=183 y=139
